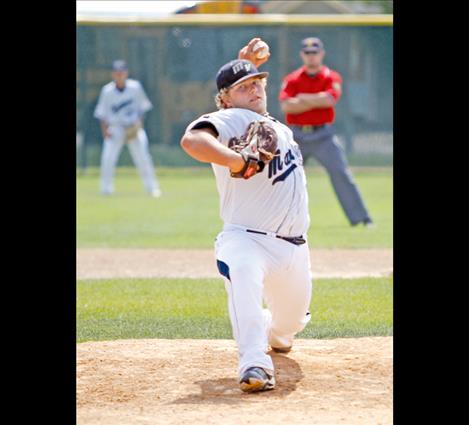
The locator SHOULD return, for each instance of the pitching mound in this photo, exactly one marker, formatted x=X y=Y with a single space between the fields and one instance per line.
x=326 y=382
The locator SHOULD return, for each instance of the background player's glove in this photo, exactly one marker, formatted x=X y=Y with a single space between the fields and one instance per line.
x=257 y=147
x=132 y=130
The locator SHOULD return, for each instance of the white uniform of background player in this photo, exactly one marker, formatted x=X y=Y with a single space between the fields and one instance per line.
x=121 y=104
x=256 y=264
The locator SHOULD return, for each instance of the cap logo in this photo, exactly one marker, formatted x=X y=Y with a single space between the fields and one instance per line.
x=239 y=66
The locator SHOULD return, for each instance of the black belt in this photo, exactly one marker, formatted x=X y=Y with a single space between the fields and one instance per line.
x=310 y=128
x=295 y=240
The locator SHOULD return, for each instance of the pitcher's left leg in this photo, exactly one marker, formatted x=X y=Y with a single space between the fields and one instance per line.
x=288 y=296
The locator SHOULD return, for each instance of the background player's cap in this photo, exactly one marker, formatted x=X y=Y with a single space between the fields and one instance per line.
x=235 y=72
x=311 y=44
x=119 y=65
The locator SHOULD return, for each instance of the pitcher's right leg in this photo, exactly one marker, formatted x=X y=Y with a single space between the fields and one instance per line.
x=242 y=264
x=288 y=296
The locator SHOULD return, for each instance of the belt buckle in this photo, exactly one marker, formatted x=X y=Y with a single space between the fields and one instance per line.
x=307 y=128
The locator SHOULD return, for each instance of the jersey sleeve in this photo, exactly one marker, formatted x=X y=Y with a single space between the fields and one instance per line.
x=143 y=103
x=288 y=89
x=100 y=111
x=333 y=85
x=213 y=120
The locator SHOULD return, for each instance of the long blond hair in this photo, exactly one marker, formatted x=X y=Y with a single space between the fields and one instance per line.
x=219 y=99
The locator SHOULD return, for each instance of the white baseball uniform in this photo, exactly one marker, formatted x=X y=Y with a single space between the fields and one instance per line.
x=256 y=265
x=120 y=109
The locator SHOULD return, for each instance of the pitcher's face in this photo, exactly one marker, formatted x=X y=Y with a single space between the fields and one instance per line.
x=249 y=94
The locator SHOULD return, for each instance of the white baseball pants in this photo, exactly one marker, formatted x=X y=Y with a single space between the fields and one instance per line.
x=259 y=268
x=139 y=151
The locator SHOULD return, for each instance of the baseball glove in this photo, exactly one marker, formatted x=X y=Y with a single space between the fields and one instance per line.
x=132 y=130
x=257 y=147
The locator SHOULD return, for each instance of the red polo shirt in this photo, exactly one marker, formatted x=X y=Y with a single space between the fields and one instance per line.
x=298 y=81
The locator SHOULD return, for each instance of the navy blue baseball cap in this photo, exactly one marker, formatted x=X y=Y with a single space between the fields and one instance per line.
x=119 y=65
x=311 y=44
x=235 y=72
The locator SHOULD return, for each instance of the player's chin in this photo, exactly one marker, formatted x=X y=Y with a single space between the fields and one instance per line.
x=258 y=106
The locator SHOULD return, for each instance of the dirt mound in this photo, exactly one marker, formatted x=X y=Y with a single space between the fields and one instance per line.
x=326 y=382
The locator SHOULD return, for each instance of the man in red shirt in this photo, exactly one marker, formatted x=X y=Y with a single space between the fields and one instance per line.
x=308 y=96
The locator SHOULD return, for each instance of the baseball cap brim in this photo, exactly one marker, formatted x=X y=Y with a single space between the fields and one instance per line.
x=246 y=77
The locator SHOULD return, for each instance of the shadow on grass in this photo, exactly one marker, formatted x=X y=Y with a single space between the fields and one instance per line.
x=226 y=390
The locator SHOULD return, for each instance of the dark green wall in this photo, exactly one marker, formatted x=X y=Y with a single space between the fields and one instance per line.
x=177 y=66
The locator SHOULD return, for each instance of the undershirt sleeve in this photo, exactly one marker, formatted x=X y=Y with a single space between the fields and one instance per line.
x=205 y=124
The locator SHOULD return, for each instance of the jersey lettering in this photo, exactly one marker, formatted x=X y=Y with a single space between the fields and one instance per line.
x=276 y=165
x=283 y=176
x=289 y=157
x=118 y=107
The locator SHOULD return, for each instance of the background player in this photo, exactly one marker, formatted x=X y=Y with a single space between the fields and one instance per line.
x=120 y=109
x=308 y=96
x=262 y=252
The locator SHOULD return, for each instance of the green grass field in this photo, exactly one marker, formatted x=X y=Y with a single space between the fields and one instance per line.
x=187 y=214
x=196 y=308
x=187 y=217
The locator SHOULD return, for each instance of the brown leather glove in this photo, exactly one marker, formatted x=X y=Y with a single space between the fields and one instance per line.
x=132 y=131
x=257 y=147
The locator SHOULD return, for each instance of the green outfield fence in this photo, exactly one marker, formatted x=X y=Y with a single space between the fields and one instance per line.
x=176 y=60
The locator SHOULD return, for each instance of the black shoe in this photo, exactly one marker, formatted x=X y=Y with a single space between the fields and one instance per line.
x=256 y=379
x=367 y=222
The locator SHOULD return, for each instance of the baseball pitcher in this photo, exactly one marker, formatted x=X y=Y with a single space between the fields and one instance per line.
x=262 y=252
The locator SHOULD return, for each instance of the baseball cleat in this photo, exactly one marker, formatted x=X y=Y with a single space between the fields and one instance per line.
x=256 y=379
x=282 y=350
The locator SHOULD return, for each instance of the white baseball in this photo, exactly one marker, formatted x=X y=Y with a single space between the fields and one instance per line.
x=261 y=49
